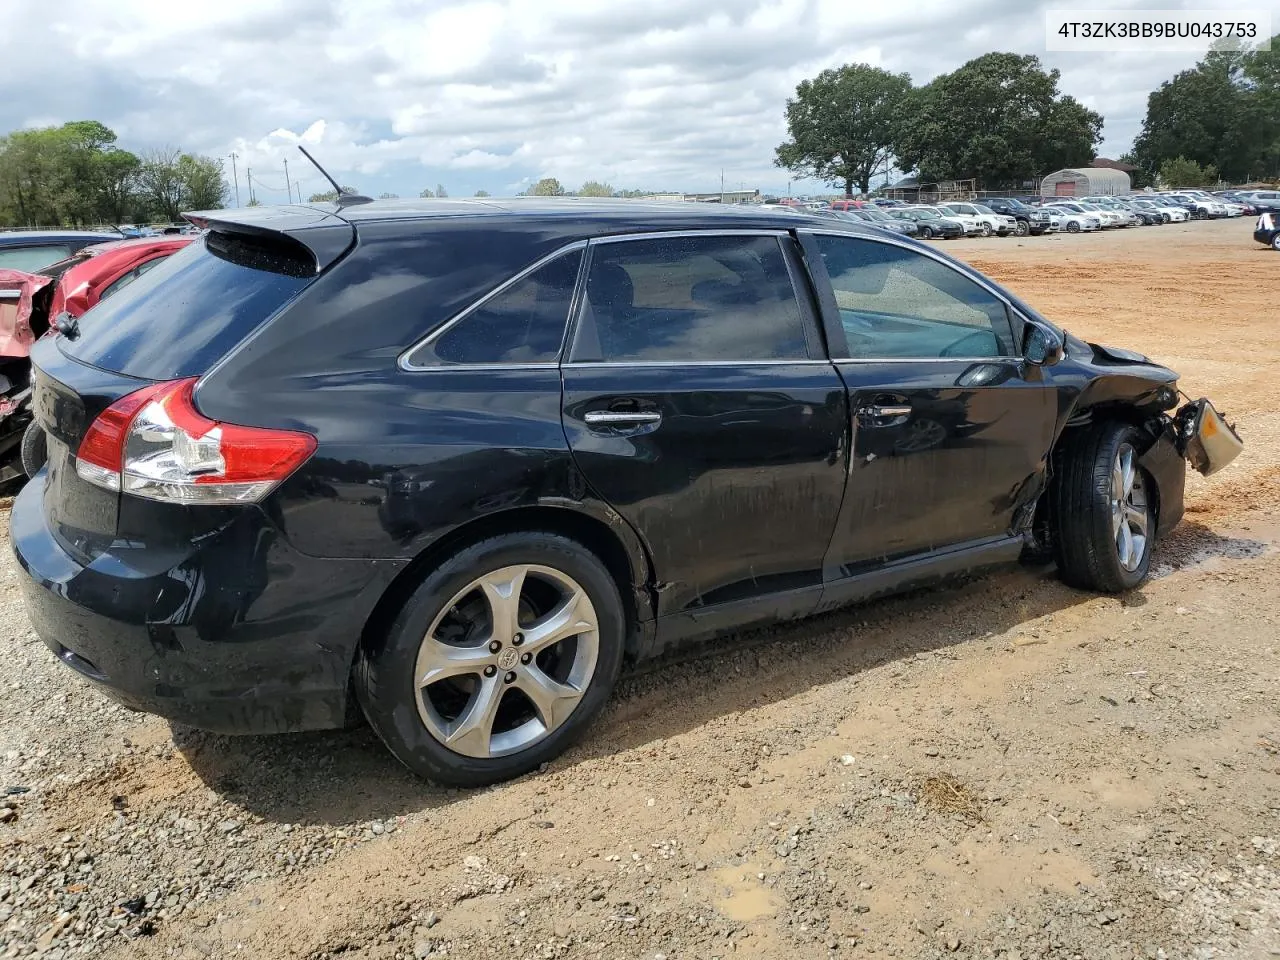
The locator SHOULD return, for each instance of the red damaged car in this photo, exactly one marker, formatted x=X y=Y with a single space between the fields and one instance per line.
x=32 y=305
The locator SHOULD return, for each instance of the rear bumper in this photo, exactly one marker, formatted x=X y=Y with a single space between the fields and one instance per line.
x=1265 y=237
x=229 y=639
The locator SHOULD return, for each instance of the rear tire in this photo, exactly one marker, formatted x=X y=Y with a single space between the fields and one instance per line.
x=34 y=450
x=505 y=697
x=1103 y=509
x=1275 y=242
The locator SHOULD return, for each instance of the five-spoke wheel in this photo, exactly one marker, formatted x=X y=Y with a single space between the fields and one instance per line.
x=502 y=654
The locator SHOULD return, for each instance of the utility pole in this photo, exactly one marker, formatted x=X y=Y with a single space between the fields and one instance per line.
x=288 y=188
x=235 y=177
x=722 y=184
x=248 y=172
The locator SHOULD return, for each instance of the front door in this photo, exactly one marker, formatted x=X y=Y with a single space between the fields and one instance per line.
x=951 y=427
x=698 y=404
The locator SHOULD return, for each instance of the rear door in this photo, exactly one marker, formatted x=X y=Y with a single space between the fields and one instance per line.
x=951 y=427
x=699 y=404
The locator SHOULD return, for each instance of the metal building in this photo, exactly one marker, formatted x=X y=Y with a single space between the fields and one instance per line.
x=1086 y=182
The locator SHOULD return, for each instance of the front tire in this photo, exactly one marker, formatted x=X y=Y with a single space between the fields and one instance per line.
x=1073 y=226
x=986 y=229
x=1104 y=510
x=1275 y=242
x=1022 y=228
x=926 y=233
x=497 y=662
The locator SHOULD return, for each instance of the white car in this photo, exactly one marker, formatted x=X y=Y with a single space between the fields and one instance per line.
x=1109 y=204
x=1075 y=219
x=1233 y=209
x=1201 y=209
x=972 y=223
x=1109 y=218
x=988 y=220
x=1170 y=213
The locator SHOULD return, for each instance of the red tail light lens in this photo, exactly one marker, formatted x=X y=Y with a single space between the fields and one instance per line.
x=154 y=443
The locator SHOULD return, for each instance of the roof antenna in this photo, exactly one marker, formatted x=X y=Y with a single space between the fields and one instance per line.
x=345 y=197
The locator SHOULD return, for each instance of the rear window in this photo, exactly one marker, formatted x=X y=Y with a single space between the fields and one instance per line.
x=31 y=259
x=182 y=317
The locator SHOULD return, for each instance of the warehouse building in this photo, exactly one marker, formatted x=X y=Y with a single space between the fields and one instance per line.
x=1086 y=182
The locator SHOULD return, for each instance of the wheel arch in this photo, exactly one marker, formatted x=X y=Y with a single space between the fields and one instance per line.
x=611 y=540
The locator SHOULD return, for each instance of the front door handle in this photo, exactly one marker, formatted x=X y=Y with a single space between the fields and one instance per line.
x=890 y=410
x=621 y=418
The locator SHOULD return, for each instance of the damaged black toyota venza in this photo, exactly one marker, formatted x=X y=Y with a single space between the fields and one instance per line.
x=450 y=463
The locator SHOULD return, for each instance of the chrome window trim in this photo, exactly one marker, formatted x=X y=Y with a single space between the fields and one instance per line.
x=669 y=234
x=591 y=364
x=403 y=361
x=893 y=241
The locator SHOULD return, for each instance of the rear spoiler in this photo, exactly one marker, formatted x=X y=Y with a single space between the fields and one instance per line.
x=325 y=236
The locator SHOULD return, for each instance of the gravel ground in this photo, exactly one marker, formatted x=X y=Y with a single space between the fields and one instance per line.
x=1007 y=768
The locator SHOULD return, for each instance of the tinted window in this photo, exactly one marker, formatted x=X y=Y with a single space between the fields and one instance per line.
x=180 y=318
x=897 y=303
x=523 y=323
x=31 y=259
x=691 y=298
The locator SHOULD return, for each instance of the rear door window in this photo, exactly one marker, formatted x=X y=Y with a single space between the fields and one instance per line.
x=180 y=318
x=685 y=299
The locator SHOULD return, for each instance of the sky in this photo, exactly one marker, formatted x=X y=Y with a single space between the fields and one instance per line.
x=397 y=95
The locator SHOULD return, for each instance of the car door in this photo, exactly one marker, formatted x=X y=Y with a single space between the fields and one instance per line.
x=699 y=404
x=951 y=427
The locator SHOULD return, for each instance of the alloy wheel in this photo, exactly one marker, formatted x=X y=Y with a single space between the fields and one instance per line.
x=1130 y=513
x=1022 y=228
x=986 y=229
x=506 y=661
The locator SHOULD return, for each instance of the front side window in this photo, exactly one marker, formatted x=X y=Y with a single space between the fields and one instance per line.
x=523 y=323
x=896 y=303
x=688 y=299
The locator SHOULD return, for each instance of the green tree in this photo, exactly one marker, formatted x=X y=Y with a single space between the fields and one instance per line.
x=117 y=184
x=1224 y=111
x=329 y=196
x=842 y=125
x=427 y=193
x=482 y=193
x=202 y=183
x=388 y=196
x=1178 y=172
x=999 y=118
x=593 y=188
x=547 y=187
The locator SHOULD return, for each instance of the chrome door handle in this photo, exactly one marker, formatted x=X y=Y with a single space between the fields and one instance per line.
x=890 y=411
x=621 y=418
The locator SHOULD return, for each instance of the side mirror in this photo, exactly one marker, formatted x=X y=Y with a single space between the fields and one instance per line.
x=1042 y=346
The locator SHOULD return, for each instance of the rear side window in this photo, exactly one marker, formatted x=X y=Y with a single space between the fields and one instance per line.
x=682 y=299
x=522 y=322
x=31 y=259
x=180 y=318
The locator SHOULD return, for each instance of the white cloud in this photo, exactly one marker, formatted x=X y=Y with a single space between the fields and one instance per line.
x=399 y=94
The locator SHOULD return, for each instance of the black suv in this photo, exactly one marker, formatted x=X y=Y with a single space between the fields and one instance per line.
x=455 y=461
x=1031 y=220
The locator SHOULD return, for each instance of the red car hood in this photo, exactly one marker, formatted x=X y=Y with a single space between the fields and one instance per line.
x=15 y=314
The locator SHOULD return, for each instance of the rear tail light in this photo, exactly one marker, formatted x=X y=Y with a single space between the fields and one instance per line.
x=154 y=443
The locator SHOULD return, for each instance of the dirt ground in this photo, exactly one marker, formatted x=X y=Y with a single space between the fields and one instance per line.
x=1006 y=768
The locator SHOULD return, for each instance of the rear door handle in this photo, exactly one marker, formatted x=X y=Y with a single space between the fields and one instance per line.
x=621 y=418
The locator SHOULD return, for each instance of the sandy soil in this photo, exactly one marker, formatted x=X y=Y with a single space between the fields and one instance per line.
x=1006 y=768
